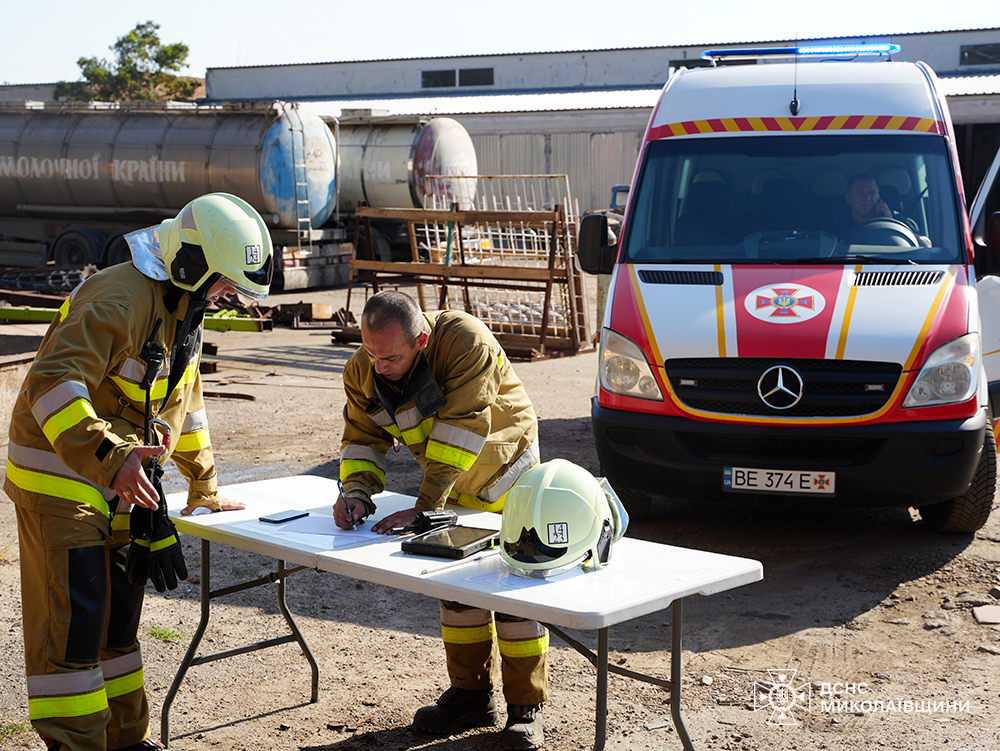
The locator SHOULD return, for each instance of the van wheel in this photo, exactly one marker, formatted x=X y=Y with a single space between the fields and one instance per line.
x=635 y=502
x=969 y=512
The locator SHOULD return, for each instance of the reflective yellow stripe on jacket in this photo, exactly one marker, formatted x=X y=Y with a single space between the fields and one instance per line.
x=129 y=377
x=60 y=487
x=355 y=458
x=194 y=433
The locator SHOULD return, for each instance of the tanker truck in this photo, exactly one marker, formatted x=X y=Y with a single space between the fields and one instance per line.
x=74 y=178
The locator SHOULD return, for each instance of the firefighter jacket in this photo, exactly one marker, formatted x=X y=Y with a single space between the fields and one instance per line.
x=461 y=410
x=81 y=410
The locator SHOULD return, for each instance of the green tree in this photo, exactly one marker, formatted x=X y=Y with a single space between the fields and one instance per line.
x=144 y=69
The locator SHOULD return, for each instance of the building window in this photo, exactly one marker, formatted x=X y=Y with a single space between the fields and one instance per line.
x=475 y=77
x=437 y=79
x=981 y=54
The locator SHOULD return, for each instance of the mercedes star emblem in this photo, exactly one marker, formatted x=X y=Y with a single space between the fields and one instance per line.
x=780 y=387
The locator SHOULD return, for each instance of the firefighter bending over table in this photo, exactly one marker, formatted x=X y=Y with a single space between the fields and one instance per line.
x=440 y=383
x=115 y=386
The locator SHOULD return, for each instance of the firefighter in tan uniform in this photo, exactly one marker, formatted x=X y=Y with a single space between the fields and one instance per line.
x=75 y=464
x=441 y=384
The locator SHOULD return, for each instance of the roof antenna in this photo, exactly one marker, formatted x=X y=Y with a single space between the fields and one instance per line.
x=795 y=104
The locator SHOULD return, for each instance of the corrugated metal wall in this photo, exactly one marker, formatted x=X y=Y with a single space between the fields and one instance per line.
x=593 y=161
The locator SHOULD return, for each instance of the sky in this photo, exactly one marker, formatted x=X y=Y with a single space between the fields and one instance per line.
x=41 y=43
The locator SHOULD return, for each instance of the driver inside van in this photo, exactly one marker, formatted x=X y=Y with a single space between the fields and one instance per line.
x=864 y=202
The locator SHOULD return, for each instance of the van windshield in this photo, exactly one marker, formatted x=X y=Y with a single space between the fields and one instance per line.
x=820 y=198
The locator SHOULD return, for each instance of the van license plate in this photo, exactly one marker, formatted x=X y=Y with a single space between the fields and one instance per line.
x=778 y=480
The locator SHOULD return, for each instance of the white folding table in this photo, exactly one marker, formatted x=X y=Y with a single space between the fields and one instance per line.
x=642 y=577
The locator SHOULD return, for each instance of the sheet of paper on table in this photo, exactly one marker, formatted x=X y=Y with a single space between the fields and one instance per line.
x=307 y=529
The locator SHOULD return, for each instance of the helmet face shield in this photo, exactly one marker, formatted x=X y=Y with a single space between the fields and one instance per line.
x=528 y=548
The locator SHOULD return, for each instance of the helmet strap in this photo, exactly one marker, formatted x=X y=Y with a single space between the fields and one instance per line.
x=603 y=546
x=202 y=292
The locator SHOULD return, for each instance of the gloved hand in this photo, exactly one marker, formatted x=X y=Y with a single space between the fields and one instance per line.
x=155 y=550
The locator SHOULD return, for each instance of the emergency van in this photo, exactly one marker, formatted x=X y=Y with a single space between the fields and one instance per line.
x=770 y=338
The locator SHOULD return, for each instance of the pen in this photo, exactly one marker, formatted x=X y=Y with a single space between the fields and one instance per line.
x=350 y=513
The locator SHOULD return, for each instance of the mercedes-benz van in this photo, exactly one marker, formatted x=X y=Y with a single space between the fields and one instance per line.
x=768 y=337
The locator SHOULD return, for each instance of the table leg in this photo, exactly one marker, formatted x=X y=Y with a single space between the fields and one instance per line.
x=290 y=620
x=676 y=626
x=207 y=595
x=601 y=719
x=206 y=599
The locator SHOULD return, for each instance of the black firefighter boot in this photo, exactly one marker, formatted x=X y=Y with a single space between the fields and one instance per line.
x=524 y=726
x=456 y=710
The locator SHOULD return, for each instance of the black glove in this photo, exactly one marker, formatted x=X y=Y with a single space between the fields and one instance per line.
x=155 y=550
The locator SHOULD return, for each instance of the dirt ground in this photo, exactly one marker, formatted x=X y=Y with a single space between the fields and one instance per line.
x=873 y=613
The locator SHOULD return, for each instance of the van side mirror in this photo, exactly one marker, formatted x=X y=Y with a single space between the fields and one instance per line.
x=988 y=255
x=594 y=256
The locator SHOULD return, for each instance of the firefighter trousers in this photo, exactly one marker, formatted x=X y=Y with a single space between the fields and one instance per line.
x=81 y=617
x=473 y=636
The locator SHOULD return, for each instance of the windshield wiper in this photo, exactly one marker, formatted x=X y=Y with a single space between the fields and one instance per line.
x=879 y=260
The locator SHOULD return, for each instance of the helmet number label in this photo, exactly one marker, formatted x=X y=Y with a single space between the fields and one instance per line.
x=558 y=533
x=253 y=255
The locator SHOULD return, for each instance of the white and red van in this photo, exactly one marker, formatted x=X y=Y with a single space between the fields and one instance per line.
x=769 y=338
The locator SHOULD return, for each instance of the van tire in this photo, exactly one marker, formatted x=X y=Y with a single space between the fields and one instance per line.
x=969 y=512
x=635 y=502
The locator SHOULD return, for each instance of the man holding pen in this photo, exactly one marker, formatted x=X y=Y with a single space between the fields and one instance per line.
x=441 y=384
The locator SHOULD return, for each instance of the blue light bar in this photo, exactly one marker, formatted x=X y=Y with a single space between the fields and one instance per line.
x=828 y=50
x=849 y=49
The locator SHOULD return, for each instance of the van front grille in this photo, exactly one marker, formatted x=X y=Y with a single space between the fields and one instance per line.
x=829 y=388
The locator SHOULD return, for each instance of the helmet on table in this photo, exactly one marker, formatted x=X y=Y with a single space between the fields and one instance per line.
x=558 y=515
x=215 y=235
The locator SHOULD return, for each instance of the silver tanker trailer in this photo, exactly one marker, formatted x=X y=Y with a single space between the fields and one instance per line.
x=75 y=178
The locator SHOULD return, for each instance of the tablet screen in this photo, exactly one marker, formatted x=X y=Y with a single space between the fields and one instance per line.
x=457 y=537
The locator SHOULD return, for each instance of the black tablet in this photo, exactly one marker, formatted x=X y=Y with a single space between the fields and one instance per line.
x=453 y=542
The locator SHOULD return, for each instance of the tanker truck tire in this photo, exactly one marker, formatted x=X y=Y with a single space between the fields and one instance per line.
x=77 y=246
x=115 y=251
x=969 y=512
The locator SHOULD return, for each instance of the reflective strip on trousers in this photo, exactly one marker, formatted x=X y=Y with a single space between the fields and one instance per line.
x=71 y=694
x=123 y=675
x=522 y=638
x=467 y=626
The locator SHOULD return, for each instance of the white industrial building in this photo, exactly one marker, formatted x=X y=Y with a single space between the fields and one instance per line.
x=583 y=113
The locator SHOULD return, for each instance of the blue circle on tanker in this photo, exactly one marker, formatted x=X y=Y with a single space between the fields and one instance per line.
x=298 y=163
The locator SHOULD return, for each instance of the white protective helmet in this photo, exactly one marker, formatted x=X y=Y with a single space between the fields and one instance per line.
x=214 y=235
x=557 y=515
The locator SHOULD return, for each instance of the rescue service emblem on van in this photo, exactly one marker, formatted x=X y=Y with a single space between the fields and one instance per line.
x=784 y=303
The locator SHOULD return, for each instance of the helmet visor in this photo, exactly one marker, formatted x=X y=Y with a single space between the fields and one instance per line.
x=528 y=548
x=261 y=277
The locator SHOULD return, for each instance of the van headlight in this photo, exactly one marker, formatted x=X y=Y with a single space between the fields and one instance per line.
x=623 y=368
x=950 y=375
